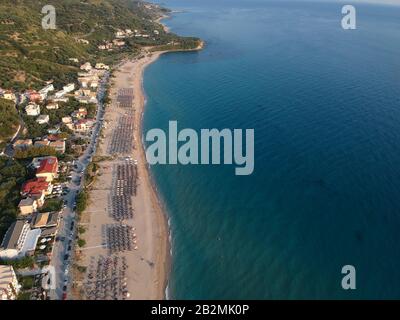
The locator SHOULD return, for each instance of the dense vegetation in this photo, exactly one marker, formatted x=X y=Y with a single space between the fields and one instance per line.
x=12 y=175
x=8 y=120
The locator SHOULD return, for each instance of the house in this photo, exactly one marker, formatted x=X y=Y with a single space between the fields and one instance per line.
x=73 y=60
x=19 y=240
x=43 y=119
x=45 y=220
x=83 y=125
x=102 y=66
x=60 y=99
x=32 y=109
x=35 y=164
x=47 y=89
x=52 y=106
x=69 y=88
x=27 y=206
x=33 y=96
x=87 y=66
x=54 y=130
x=66 y=120
x=9 y=95
x=80 y=113
x=42 y=143
x=58 y=145
x=36 y=187
x=22 y=144
x=48 y=169
x=59 y=94
x=9 y=286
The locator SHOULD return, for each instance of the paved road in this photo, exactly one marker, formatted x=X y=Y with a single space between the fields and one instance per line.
x=62 y=258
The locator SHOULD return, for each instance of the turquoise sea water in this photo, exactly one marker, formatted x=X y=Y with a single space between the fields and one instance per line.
x=325 y=106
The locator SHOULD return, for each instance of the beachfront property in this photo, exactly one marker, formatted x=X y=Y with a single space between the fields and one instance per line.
x=36 y=187
x=19 y=240
x=35 y=163
x=22 y=144
x=48 y=169
x=43 y=119
x=32 y=109
x=83 y=125
x=9 y=286
x=28 y=206
x=45 y=220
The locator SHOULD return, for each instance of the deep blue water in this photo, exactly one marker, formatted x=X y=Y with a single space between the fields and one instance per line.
x=325 y=106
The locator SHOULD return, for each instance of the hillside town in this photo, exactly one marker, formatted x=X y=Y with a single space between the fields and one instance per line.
x=56 y=174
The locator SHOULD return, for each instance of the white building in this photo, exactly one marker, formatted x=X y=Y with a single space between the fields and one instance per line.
x=43 y=119
x=9 y=286
x=52 y=106
x=87 y=66
x=32 y=109
x=69 y=88
x=14 y=240
x=59 y=94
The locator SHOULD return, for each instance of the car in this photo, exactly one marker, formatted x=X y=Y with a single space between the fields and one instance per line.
x=66 y=256
x=65 y=288
x=69 y=248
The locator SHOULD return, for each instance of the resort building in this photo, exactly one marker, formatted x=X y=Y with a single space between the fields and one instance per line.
x=35 y=164
x=46 y=220
x=48 y=169
x=41 y=143
x=14 y=240
x=9 y=286
x=36 y=187
x=79 y=114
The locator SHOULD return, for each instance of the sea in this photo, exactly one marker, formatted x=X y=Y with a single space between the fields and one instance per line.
x=324 y=104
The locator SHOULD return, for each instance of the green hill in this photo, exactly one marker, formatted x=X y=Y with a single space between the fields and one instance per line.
x=30 y=55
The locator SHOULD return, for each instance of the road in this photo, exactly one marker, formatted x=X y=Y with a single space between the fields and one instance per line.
x=62 y=258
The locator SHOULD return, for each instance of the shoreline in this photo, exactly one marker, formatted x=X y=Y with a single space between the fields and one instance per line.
x=149 y=264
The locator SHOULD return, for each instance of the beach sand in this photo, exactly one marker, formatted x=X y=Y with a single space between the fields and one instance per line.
x=147 y=272
x=149 y=264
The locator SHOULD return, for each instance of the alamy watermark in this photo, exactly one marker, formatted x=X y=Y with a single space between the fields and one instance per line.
x=49 y=20
x=187 y=147
x=349 y=19
x=349 y=280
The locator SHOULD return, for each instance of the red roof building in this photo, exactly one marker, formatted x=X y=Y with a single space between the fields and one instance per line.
x=48 y=169
x=36 y=187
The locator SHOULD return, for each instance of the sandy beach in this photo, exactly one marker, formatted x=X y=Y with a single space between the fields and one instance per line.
x=148 y=263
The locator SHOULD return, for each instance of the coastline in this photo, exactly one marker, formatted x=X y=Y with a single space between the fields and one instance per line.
x=149 y=266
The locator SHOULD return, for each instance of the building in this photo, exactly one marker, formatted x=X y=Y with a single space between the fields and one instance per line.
x=33 y=96
x=36 y=187
x=32 y=109
x=102 y=66
x=22 y=144
x=45 y=220
x=59 y=145
x=80 y=113
x=9 y=95
x=9 y=286
x=66 y=120
x=69 y=88
x=35 y=164
x=87 y=66
x=48 y=169
x=43 y=119
x=52 y=106
x=47 y=89
x=59 y=94
x=28 y=206
x=42 y=143
x=14 y=240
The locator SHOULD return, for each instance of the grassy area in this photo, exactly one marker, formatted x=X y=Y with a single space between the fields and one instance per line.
x=9 y=119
